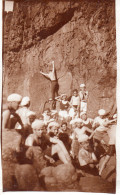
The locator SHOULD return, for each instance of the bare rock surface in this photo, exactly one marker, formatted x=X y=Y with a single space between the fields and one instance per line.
x=96 y=184
x=10 y=145
x=78 y=36
x=27 y=178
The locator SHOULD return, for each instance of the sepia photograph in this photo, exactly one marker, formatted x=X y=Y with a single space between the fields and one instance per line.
x=59 y=103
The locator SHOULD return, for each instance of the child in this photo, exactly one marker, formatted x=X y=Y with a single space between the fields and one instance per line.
x=111 y=146
x=10 y=118
x=64 y=105
x=80 y=131
x=23 y=110
x=64 y=135
x=100 y=125
x=47 y=116
x=88 y=122
x=75 y=104
x=83 y=94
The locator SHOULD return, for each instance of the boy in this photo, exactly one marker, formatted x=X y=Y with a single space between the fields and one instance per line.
x=75 y=104
x=83 y=94
x=88 y=122
x=10 y=118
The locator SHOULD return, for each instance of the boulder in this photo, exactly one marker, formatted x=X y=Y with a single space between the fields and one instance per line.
x=35 y=154
x=63 y=173
x=27 y=178
x=11 y=141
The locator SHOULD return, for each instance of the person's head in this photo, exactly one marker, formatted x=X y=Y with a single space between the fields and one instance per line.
x=47 y=111
x=13 y=101
x=38 y=127
x=75 y=92
x=83 y=116
x=64 y=97
x=101 y=113
x=50 y=100
x=53 y=127
x=64 y=126
x=73 y=123
x=25 y=101
x=41 y=117
x=78 y=122
x=31 y=116
x=82 y=87
x=85 y=145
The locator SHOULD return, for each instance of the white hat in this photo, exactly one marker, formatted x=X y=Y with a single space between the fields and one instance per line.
x=38 y=124
x=82 y=113
x=14 y=97
x=25 y=101
x=31 y=113
x=101 y=112
x=53 y=124
x=82 y=85
x=115 y=116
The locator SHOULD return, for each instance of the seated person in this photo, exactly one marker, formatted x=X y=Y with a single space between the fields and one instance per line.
x=49 y=145
x=75 y=103
x=111 y=145
x=51 y=104
x=80 y=131
x=86 y=157
x=64 y=105
x=64 y=134
x=47 y=116
x=101 y=125
x=23 y=110
x=88 y=122
x=79 y=135
x=10 y=117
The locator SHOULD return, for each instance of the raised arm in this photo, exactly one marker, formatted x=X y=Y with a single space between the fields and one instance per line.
x=45 y=74
x=53 y=66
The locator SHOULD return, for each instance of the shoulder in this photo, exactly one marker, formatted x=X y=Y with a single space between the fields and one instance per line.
x=29 y=140
x=6 y=113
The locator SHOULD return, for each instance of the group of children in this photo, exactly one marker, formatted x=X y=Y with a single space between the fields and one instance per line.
x=65 y=134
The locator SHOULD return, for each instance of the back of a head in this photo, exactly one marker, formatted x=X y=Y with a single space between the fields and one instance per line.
x=14 y=97
x=25 y=101
x=38 y=124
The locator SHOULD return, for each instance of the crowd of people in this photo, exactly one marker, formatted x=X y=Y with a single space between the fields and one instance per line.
x=66 y=134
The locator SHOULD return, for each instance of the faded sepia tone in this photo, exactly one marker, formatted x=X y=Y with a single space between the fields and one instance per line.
x=79 y=39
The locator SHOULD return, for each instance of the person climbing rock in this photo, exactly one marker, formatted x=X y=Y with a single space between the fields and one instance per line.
x=52 y=77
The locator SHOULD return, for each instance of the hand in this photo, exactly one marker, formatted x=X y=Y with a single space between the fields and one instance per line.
x=52 y=62
x=51 y=160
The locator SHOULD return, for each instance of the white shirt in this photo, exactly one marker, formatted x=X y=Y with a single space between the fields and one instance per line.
x=102 y=123
x=75 y=100
x=83 y=96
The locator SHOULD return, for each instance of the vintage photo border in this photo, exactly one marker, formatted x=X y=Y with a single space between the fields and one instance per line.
x=117 y=7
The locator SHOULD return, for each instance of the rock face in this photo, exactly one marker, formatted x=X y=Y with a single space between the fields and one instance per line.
x=80 y=38
x=10 y=145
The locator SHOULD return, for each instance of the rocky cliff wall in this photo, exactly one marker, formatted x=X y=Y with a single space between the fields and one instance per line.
x=78 y=35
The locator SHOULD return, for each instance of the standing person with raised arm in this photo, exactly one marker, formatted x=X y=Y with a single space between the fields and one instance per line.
x=54 y=84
